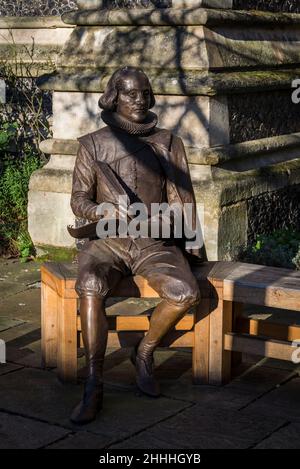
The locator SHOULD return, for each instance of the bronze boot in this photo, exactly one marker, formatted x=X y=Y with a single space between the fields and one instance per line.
x=94 y=331
x=145 y=379
x=164 y=318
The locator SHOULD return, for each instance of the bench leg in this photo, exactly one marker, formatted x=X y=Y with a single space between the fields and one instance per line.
x=220 y=324
x=67 y=340
x=48 y=326
x=200 y=351
x=237 y=311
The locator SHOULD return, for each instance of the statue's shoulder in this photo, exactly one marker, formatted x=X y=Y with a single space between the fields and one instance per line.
x=161 y=136
x=94 y=136
x=90 y=140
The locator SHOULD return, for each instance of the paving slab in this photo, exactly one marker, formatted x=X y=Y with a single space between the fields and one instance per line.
x=9 y=289
x=287 y=437
x=22 y=433
x=259 y=379
x=25 y=305
x=207 y=396
x=22 y=335
x=281 y=364
x=199 y=427
x=16 y=276
x=169 y=365
x=8 y=368
x=284 y=401
x=8 y=323
x=29 y=356
x=13 y=269
x=239 y=393
x=82 y=440
x=23 y=345
x=124 y=412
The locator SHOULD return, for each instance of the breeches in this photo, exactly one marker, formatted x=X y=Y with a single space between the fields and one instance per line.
x=104 y=262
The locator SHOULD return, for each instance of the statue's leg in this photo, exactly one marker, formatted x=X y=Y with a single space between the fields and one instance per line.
x=95 y=278
x=169 y=273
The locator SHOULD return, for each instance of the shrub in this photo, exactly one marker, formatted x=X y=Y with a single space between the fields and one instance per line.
x=24 y=123
x=279 y=249
x=14 y=180
x=7 y=133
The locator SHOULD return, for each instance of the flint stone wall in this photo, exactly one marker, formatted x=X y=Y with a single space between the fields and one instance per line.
x=35 y=7
x=289 y=6
x=58 y=7
x=273 y=211
x=256 y=115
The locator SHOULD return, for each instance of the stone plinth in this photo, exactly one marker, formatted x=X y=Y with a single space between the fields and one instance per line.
x=213 y=68
x=32 y=42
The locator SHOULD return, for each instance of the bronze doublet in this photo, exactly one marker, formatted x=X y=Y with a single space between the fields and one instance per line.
x=142 y=177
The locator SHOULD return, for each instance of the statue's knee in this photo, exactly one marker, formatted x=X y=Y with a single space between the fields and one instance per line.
x=88 y=283
x=191 y=296
x=183 y=293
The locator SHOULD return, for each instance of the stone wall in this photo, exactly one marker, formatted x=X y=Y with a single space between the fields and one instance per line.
x=274 y=211
x=35 y=7
x=57 y=7
x=291 y=6
x=256 y=115
x=137 y=3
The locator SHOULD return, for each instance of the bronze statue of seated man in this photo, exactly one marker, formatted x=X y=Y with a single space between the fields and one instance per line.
x=133 y=156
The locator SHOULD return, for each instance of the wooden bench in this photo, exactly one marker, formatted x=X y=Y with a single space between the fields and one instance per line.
x=239 y=284
x=216 y=332
x=61 y=323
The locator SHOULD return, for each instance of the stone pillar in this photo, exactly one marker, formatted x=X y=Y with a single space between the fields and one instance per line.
x=217 y=77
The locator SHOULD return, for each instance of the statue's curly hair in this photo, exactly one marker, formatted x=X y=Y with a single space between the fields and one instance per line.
x=108 y=100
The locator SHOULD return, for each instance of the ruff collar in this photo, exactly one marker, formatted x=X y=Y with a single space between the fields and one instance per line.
x=113 y=119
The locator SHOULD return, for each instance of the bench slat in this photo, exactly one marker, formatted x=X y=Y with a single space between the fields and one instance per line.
x=276 y=297
x=140 y=323
x=260 y=346
x=129 y=339
x=269 y=329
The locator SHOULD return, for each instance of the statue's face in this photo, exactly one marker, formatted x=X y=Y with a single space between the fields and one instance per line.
x=134 y=98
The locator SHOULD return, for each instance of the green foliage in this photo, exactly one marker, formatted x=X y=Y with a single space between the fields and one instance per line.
x=296 y=260
x=51 y=253
x=14 y=180
x=279 y=249
x=24 y=245
x=24 y=122
x=7 y=133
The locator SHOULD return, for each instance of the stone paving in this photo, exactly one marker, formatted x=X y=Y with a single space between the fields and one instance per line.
x=260 y=408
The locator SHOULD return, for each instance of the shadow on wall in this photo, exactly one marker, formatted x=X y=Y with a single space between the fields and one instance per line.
x=178 y=59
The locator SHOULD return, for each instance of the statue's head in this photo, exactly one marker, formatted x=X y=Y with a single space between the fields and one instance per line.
x=129 y=93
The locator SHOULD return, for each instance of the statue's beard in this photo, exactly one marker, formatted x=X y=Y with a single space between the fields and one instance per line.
x=114 y=119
